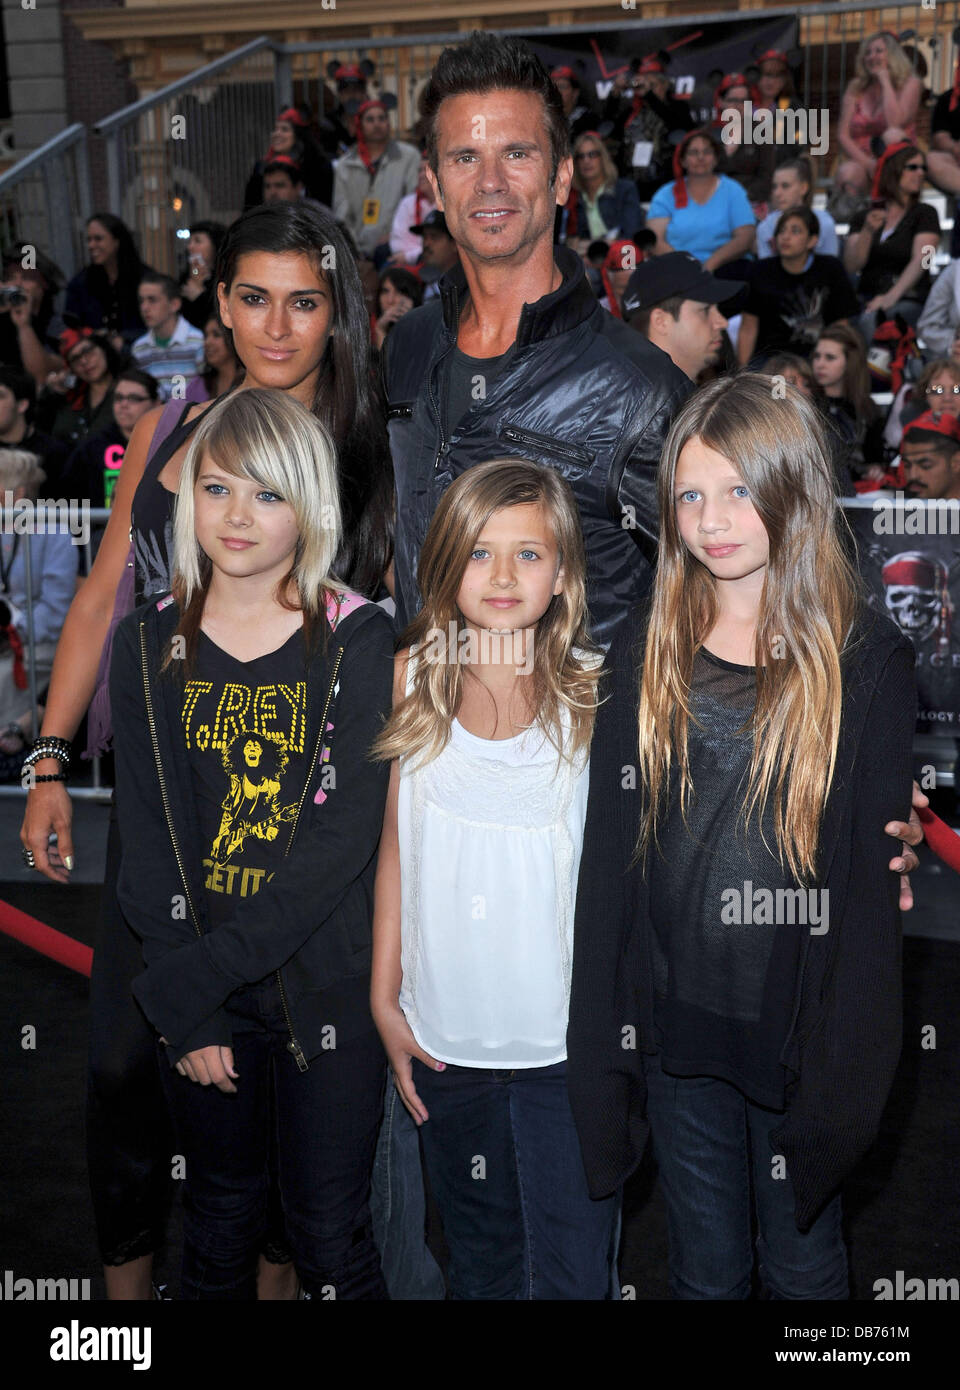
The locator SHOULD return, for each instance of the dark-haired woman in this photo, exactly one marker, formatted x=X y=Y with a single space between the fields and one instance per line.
x=292 y=136
x=702 y=211
x=104 y=294
x=891 y=247
x=197 y=290
x=72 y=413
x=399 y=292
x=302 y=329
x=221 y=367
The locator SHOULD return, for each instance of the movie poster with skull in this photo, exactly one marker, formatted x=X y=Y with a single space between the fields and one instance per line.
x=909 y=559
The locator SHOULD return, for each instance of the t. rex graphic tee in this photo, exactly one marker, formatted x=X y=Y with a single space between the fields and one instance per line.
x=244 y=724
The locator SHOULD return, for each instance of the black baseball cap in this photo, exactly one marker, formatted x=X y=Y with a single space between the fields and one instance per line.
x=678 y=273
x=434 y=221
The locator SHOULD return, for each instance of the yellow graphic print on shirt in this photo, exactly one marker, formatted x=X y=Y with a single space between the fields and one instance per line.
x=255 y=764
x=251 y=732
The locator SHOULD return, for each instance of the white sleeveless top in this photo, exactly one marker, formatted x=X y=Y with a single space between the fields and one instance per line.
x=490 y=838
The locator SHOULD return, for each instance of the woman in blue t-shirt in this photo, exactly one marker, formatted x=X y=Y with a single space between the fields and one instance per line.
x=702 y=212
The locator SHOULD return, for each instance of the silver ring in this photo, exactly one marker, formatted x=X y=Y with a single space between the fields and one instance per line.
x=28 y=858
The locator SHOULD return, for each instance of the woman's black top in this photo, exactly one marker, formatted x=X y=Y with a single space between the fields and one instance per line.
x=724 y=971
x=151 y=518
x=889 y=258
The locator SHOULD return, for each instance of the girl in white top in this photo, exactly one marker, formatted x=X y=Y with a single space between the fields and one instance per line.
x=494 y=698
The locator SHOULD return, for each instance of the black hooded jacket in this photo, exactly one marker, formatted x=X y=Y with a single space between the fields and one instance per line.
x=583 y=394
x=312 y=922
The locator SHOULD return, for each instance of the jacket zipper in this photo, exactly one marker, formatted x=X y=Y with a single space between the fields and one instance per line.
x=293 y=1046
x=163 y=786
x=548 y=443
x=436 y=410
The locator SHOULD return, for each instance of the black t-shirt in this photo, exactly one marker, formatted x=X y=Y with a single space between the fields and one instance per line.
x=889 y=258
x=792 y=310
x=94 y=466
x=724 y=973
x=469 y=380
x=945 y=119
x=244 y=724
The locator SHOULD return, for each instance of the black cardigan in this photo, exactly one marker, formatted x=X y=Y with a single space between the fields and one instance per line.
x=845 y=1035
x=314 y=917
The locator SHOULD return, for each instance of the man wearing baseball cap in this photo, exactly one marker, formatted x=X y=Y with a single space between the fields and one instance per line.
x=930 y=455
x=440 y=252
x=674 y=303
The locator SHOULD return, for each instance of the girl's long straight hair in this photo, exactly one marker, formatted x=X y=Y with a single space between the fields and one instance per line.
x=565 y=669
x=856 y=373
x=810 y=597
x=349 y=397
x=270 y=438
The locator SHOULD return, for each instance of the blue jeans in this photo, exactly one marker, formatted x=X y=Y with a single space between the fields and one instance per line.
x=326 y=1121
x=712 y=1147
x=505 y=1168
x=398 y=1206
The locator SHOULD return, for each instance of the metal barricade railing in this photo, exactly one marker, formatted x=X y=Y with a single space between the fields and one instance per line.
x=95 y=516
x=184 y=153
x=45 y=199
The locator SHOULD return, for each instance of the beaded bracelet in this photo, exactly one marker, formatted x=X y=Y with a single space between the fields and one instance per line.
x=50 y=777
x=47 y=746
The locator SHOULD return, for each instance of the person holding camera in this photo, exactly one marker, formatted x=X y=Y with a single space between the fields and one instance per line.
x=28 y=325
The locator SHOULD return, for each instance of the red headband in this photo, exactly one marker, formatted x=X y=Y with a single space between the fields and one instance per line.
x=293 y=116
x=773 y=55
x=613 y=260
x=911 y=568
x=887 y=154
x=680 y=186
x=70 y=337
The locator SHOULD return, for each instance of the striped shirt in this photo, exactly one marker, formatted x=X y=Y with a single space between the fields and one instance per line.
x=180 y=357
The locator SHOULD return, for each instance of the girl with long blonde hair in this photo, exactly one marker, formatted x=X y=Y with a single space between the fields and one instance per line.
x=736 y=966
x=245 y=704
x=494 y=700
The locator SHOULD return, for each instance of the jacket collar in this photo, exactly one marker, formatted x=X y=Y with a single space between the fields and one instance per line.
x=566 y=307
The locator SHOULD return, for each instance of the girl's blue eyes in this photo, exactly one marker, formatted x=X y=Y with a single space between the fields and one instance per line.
x=741 y=491
x=218 y=490
x=524 y=554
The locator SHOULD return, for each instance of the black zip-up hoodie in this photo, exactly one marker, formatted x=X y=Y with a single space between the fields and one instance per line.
x=314 y=917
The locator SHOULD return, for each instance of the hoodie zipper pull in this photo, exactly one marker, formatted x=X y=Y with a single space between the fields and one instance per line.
x=441 y=452
x=298 y=1056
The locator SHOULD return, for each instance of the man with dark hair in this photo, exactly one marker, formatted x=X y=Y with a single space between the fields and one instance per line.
x=673 y=302
x=18 y=396
x=171 y=350
x=440 y=253
x=516 y=357
x=930 y=454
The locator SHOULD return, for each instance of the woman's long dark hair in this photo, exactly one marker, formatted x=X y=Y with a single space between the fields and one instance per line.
x=349 y=399
x=130 y=267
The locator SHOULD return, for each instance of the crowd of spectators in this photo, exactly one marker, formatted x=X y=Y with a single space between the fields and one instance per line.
x=709 y=246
